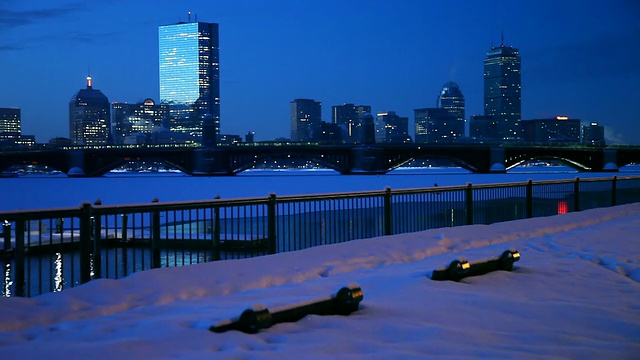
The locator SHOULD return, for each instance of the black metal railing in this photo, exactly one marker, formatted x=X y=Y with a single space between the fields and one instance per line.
x=53 y=249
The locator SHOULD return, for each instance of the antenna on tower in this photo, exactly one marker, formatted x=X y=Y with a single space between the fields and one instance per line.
x=89 y=81
x=189 y=14
x=502 y=37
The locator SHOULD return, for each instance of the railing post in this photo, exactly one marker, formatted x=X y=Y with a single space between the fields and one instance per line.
x=124 y=231
x=97 y=243
x=155 y=237
x=216 y=231
x=6 y=235
x=271 y=223
x=388 y=228
x=19 y=256
x=469 y=203
x=614 y=191
x=529 y=199
x=576 y=195
x=85 y=242
x=124 y=238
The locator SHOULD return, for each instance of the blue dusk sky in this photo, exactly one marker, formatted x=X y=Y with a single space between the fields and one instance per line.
x=579 y=58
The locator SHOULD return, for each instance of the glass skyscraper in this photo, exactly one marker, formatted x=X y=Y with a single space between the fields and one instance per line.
x=190 y=76
x=502 y=85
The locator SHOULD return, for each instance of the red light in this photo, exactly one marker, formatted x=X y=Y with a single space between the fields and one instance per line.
x=563 y=208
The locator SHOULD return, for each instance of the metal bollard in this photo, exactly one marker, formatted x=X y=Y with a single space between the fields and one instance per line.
x=344 y=302
x=461 y=268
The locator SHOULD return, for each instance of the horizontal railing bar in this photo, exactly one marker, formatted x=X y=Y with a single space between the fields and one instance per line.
x=216 y=203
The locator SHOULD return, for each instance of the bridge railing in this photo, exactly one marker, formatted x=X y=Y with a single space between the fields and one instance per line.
x=54 y=249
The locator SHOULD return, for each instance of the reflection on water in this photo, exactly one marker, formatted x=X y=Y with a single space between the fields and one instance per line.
x=58 y=279
x=6 y=288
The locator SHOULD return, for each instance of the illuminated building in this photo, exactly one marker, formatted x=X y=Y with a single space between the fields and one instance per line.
x=502 y=85
x=593 y=134
x=306 y=115
x=483 y=128
x=350 y=117
x=10 y=125
x=229 y=139
x=392 y=128
x=89 y=117
x=559 y=129
x=451 y=98
x=135 y=119
x=437 y=125
x=190 y=76
x=327 y=133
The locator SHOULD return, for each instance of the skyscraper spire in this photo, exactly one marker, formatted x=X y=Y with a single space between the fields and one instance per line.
x=502 y=37
x=89 y=81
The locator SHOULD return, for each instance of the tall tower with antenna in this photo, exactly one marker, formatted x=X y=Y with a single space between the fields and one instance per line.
x=502 y=89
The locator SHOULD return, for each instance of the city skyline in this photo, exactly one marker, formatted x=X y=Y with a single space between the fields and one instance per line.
x=577 y=57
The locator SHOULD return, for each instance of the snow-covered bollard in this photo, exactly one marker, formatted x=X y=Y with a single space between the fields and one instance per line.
x=344 y=302
x=461 y=268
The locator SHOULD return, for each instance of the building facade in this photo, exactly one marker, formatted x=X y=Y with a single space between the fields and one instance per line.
x=190 y=76
x=90 y=117
x=10 y=124
x=502 y=90
x=483 y=128
x=368 y=129
x=437 y=125
x=560 y=129
x=392 y=128
x=306 y=115
x=131 y=120
x=451 y=98
x=350 y=118
x=593 y=134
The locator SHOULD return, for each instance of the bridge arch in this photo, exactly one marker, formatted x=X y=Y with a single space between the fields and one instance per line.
x=247 y=162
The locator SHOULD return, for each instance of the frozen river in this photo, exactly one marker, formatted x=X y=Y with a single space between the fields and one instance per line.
x=47 y=191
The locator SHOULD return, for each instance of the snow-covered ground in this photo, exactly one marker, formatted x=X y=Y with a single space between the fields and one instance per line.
x=575 y=293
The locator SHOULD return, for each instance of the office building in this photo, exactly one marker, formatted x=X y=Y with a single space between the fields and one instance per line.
x=350 y=118
x=368 y=129
x=131 y=120
x=593 y=134
x=229 y=139
x=306 y=115
x=250 y=137
x=560 y=129
x=89 y=117
x=502 y=85
x=451 y=98
x=190 y=76
x=483 y=128
x=10 y=124
x=437 y=125
x=392 y=128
